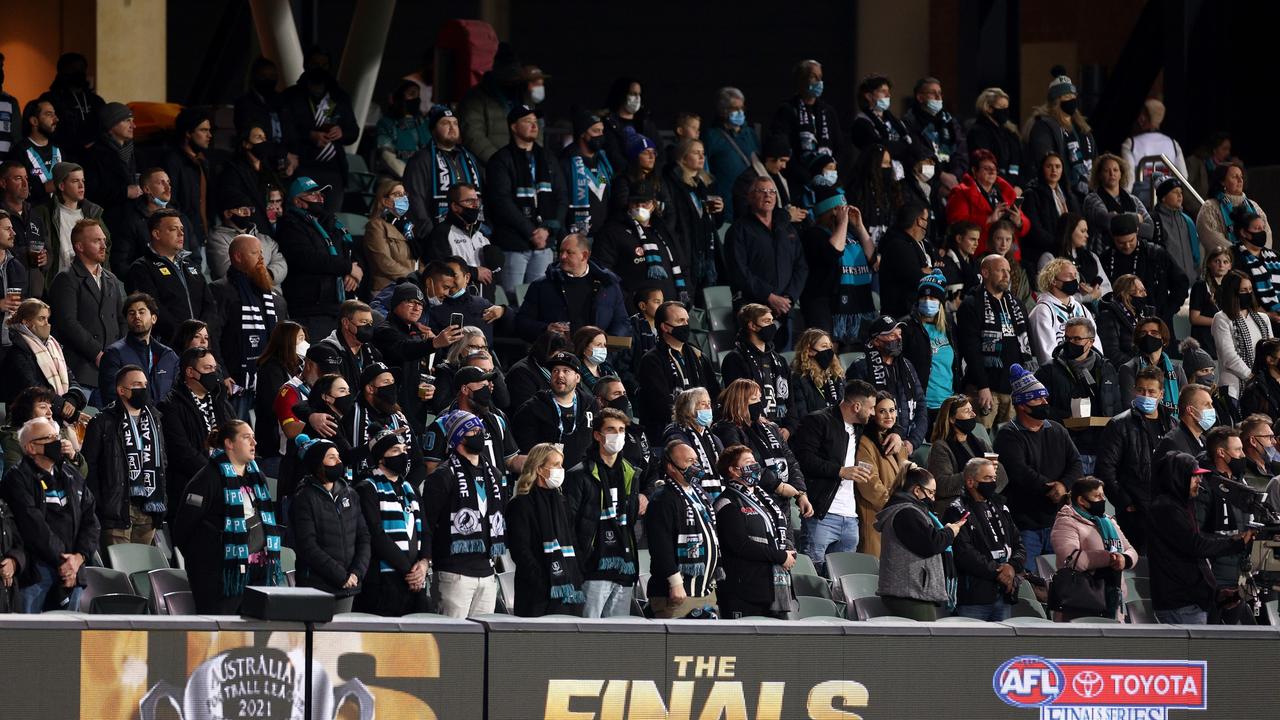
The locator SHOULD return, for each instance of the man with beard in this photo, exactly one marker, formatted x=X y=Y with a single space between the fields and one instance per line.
x=991 y=332
x=319 y=252
x=323 y=122
x=376 y=409
x=165 y=274
x=37 y=150
x=138 y=348
x=187 y=163
x=559 y=415
x=76 y=104
x=475 y=395
x=407 y=344
x=403 y=130
x=249 y=306
x=438 y=168
x=87 y=303
x=132 y=236
x=58 y=216
x=237 y=220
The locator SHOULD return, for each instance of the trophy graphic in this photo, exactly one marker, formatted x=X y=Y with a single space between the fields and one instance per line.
x=253 y=682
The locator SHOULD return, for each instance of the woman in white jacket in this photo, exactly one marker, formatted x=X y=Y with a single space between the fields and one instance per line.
x=1237 y=328
x=1058 y=281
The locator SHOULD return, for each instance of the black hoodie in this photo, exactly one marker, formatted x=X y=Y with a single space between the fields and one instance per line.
x=1176 y=547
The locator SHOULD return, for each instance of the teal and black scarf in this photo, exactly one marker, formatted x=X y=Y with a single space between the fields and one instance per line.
x=1112 y=544
x=948 y=565
x=399 y=511
x=237 y=562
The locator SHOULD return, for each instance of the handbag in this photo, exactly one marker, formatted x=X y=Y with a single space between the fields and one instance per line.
x=1079 y=592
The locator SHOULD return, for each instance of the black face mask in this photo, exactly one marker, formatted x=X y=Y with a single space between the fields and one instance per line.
x=1070 y=106
x=824 y=357
x=264 y=86
x=756 y=409
x=210 y=382
x=1072 y=351
x=473 y=443
x=364 y=333
x=344 y=403
x=680 y=333
x=334 y=473
x=396 y=463
x=482 y=397
x=987 y=490
x=1098 y=508
x=1071 y=287
x=1000 y=115
x=317 y=92
x=1237 y=466
x=53 y=450
x=595 y=144
x=966 y=425
x=1246 y=299
x=1039 y=412
x=1149 y=344
x=264 y=151
x=767 y=333
x=469 y=215
x=388 y=394
x=1260 y=238
x=139 y=397
x=244 y=223
x=621 y=403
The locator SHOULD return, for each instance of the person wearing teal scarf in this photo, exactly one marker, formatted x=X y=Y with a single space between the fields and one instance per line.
x=1085 y=534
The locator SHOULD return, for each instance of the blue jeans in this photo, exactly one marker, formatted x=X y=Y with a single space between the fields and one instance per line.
x=34 y=595
x=606 y=599
x=1036 y=543
x=523 y=268
x=242 y=404
x=833 y=533
x=995 y=612
x=1087 y=464
x=1186 y=615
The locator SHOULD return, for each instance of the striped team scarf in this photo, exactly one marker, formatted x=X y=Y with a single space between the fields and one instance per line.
x=236 y=560
x=398 y=507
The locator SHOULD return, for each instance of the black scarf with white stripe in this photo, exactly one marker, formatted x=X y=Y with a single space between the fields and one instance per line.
x=257 y=318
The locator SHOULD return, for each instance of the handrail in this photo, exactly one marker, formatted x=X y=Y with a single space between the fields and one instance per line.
x=1186 y=184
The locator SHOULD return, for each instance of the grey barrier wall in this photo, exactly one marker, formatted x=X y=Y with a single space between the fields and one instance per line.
x=499 y=667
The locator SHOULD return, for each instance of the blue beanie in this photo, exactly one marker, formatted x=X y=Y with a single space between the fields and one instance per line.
x=1024 y=386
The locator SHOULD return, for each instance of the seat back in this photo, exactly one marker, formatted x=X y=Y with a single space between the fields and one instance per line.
x=717 y=296
x=117 y=604
x=803 y=566
x=811 y=586
x=848 y=563
x=181 y=602
x=815 y=607
x=288 y=559
x=1046 y=565
x=1140 y=612
x=856 y=585
x=866 y=608
x=102 y=581
x=507 y=589
x=130 y=558
x=164 y=582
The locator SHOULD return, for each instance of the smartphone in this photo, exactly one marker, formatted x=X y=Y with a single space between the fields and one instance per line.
x=964 y=517
x=1017 y=204
x=455 y=320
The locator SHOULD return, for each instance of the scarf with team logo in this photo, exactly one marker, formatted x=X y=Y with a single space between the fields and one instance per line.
x=144 y=459
x=400 y=513
x=476 y=521
x=561 y=561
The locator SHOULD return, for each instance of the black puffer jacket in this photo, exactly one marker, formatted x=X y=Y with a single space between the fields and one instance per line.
x=1065 y=383
x=103 y=450
x=1125 y=459
x=330 y=536
x=1177 y=549
x=584 y=493
x=1115 y=329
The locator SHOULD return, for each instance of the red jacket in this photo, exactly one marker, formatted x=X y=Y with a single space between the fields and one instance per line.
x=967 y=202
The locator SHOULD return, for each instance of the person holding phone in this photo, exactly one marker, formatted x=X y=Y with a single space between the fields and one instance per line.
x=983 y=197
x=989 y=555
x=917 y=569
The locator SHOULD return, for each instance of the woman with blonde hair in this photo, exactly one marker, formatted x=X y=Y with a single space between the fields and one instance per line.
x=1059 y=281
x=540 y=537
x=1108 y=198
x=742 y=422
x=873 y=493
x=390 y=247
x=817 y=378
x=993 y=131
x=1059 y=126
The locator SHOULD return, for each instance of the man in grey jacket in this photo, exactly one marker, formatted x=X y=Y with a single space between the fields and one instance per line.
x=1175 y=230
x=87 y=304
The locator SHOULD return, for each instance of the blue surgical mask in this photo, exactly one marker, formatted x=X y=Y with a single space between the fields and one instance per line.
x=826 y=179
x=1273 y=455
x=928 y=307
x=815 y=88
x=704 y=418
x=401 y=205
x=159 y=202
x=737 y=118
x=933 y=106
x=599 y=355
x=459 y=293
x=1145 y=405
x=1208 y=417
x=882 y=104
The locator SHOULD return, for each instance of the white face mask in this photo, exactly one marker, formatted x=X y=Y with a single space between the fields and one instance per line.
x=538 y=93
x=926 y=172
x=303 y=346
x=614 y=443
x=555 y=478
x=632 y=104
x=640 y=214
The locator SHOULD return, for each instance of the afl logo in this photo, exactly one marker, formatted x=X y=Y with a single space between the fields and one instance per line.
x=1028 y=681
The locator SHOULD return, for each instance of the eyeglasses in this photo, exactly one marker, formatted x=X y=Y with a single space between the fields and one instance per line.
x=769 y=192
x=1079 y=338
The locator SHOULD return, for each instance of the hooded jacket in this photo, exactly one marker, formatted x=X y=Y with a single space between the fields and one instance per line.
x=1176 y=547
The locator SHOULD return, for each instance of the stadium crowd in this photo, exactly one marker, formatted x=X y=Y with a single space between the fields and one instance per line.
x=713 y=372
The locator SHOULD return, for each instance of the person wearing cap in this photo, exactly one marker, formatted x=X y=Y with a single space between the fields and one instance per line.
x=810 y=124
x=407 y=345
x=483 y=110
x=327 y=526
x=732 y=146
x=561 y=414
x=474 y=388
x=1041 y=460
x=765 y=262
x=1059 y=126
x=109 y=164
x=937 y=130
x=588 y=174
x=642 y=176
x=57 y=218
x=775 y=156
x=377 y=407
x=886 y=369
x=1126 y=454
x=1148 y=141
x=1174 y=230
x=1201 y=369
x=1166 y=285
x=320 y=253
x=525 y=196
x=138 y=347
x=168 y=274
x=642 y=251
x=432 y=173
x=399 y=557
x=188 y=169
x=1182 y=587
x=754 y=356
x=837 y=292
x=576 y=292
x=1059 y=281
x=322 y=122
x=403 y=128
x=250 y=306
x=320 y=359
x=928 y=342
x=464 y=505
x=675 y=364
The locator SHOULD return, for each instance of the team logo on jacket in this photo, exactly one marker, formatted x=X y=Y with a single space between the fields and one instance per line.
x=1122 y=689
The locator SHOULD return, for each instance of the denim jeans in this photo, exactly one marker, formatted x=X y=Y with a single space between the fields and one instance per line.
x=1186 y=615
x=606 y=599
x=1036 y=543
x=242 y=404
x=995 y=612
x=34 y=595
x=523 y=268
x=833 y=533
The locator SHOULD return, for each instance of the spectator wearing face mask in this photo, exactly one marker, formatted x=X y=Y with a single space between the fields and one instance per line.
x=1125 y=456
x=642 y=251
x=1237 y=329
x=992 y=131
x=625 y=115
x=541 y=536
x=376 y=408
x=1226 y=204
x=1261 y=392
x=453 y=277
x=674 y=365
x=328 y=527
x=462 y=234
x=353 y=339
x=195 y=407
x=759 y=551
x=237 y=220
x=691 y=421
x=482 y=111
x=319 y=251
x=1059 y=126
x=988 y=551
x=408 y=346
x=399 y=558
x=610 y=392
x=954 y=441
x=131 y=237
x=886 y=369
x=588 y=173
x=754 y=357
x=475 y=394
x=917 y=566
x=1263 y=459
x=1078 y=373
x=732 y=145
x=809 y=123
x=936 y=128
x=245 y=179
x=1059 y=281
x=262 y=106
x=433 y=173
x=742 y=422
x=684 y=547
x=402 y=131
x=928 y=342
x=392 y=247
x=875 y=124
x=817 y=375
x=1202 y=370
x=322 y=123
x=1086 y=539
